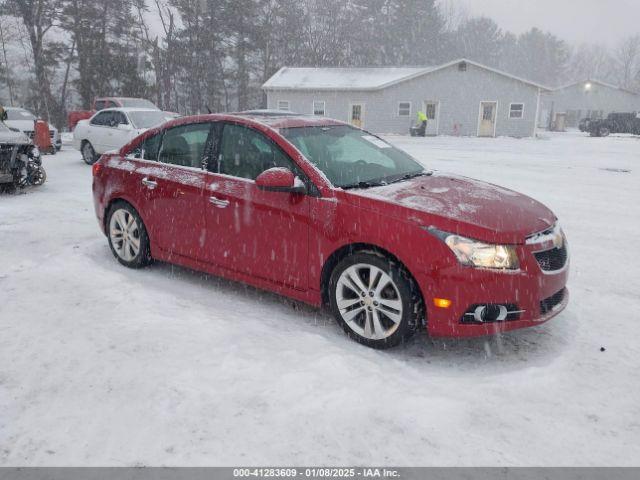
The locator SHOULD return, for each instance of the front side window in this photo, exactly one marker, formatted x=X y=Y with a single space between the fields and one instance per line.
x=351 y=157
x=101 y=119
x=283 y=105
x=404 y=109
x=319 y=107
x=516 y=110
x=184 y=146
x=246 y=153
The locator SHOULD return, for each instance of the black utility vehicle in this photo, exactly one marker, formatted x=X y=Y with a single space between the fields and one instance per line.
x=616 y=123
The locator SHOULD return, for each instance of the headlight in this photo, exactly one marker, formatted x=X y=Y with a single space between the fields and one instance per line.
x=478 y=254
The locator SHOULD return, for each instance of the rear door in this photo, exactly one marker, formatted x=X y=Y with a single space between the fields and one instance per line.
x=173 y=186
x=97 y=131
x=252 y=231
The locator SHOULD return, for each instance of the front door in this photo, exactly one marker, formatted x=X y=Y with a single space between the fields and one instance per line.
x=356 y=114
x=173 y=189
x=251 y=231
x=431 y=111
x=487 y=122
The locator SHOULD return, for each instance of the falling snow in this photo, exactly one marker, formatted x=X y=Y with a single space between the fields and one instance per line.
x=100 y=365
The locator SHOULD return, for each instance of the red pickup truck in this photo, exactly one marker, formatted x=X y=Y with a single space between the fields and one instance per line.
x=100 y=103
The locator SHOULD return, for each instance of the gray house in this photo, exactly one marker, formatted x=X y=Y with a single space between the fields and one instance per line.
x=459 y=98
x=586 y=99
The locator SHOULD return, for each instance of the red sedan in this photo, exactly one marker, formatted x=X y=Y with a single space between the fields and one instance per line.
x=329 y=214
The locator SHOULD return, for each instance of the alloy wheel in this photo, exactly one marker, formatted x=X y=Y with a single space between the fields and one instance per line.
x=369 y=301
x=124 y=233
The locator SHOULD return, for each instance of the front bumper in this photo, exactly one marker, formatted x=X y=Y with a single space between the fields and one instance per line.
x=466 y=287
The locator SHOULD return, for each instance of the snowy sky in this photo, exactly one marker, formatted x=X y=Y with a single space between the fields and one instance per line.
x=593 y=21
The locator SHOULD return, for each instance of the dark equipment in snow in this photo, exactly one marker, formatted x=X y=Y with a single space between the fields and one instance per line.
x=615 y=123
x=20 y=161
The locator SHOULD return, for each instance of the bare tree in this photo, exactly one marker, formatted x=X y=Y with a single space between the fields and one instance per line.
x=627 y=55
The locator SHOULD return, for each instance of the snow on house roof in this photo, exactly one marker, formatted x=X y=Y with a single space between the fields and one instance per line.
x=599 y=82
x=365 y=78
x=372 y=78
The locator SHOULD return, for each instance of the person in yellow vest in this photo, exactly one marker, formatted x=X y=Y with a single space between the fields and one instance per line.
x=422 y=123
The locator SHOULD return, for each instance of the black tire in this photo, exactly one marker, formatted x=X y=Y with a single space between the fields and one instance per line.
x=409 y=295
x=603 y=132
x=143 y=257
x=88 y=153
x=39 y=176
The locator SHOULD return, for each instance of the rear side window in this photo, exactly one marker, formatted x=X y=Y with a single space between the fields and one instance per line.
x=101 y=104
x=150 y=147
x=185 y=145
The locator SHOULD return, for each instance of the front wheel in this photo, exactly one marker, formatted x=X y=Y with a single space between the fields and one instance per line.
x=88 y=153
x=128 y=238
x=38 y=176
x=375 y=300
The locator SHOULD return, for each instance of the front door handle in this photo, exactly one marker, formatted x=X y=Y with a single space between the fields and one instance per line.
x=219 y=202
x=150 y=184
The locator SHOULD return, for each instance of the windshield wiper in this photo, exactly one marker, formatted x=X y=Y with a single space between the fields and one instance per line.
x=412 y=175
x=368 y=184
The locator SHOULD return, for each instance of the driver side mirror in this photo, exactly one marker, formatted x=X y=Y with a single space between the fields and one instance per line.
x=280 y=179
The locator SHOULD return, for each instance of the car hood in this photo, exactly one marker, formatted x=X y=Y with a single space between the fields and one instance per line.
x=20 y=124
x=9 y=137
x=457 y=204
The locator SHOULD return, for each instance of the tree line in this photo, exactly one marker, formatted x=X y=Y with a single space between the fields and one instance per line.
x=190 y=56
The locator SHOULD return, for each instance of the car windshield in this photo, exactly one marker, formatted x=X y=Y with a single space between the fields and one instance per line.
x=148 y=119
x=352 y=158
x=136 y=103
x=19 y=114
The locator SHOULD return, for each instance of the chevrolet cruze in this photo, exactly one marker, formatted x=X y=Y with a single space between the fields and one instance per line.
x=329 y=214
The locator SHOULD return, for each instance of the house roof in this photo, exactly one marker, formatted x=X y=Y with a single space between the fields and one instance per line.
x=366 y=78
x=599 y=82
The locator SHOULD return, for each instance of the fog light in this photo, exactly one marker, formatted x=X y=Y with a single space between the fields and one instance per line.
x=442 y=302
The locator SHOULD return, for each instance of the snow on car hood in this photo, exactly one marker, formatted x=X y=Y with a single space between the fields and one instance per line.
x=479 y=209
x=13 y=138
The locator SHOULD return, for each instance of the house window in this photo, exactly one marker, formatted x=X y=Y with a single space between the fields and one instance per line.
x=404 y=109
x=516 y=110
x=283 y=105
x=319 y=107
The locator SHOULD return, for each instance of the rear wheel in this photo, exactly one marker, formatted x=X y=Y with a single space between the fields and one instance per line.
x=374 y=300
x=603 y=132
x=88 y=153
x=128 y=238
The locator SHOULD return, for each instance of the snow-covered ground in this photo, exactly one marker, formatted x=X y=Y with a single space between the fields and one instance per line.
x=100 y=365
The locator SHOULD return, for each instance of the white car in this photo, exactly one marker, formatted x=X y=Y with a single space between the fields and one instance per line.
x=22 y=119
x=112 y=128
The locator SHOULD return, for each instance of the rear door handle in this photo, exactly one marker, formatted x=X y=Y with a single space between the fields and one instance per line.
x=219 y=202
x=150 y=184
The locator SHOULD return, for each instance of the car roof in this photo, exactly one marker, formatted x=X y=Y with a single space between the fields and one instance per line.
x=130 y=109
x=278 y=119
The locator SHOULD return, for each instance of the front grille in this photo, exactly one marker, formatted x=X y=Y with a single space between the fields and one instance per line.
x=549 y=303
x=553 y=259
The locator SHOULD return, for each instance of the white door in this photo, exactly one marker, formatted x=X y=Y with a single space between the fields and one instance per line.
x=432 y=111
x=487 y=121
x=356 y=114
